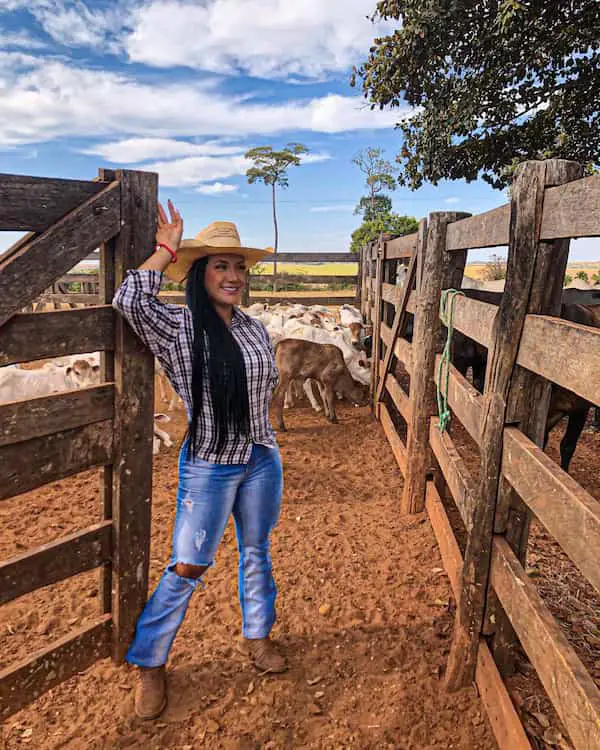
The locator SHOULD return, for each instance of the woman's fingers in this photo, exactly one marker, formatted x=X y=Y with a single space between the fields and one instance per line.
x=173 y=211
x=162 y=216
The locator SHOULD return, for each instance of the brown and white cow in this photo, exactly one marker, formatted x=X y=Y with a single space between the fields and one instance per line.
x=300 y=360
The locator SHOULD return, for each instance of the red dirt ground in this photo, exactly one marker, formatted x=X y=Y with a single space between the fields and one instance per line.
x=363 y=617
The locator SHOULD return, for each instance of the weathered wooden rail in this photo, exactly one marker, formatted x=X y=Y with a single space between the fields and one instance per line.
x=108 y=426
x=529 y=349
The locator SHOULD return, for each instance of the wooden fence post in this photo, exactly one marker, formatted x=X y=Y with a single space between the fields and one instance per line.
x=441 y=270
x=377 y=315
x=528 y=403
x=134 y=408
x=106 y=292
x=525 y=223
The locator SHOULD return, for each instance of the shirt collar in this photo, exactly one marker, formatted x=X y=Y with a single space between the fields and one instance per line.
x=239 y=318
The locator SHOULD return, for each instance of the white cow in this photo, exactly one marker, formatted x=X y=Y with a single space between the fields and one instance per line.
x=159 y=434
x=17 y=384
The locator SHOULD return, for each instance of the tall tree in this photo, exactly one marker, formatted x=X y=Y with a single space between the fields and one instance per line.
x=379 y=176
x=270 y=167
x=492 y=83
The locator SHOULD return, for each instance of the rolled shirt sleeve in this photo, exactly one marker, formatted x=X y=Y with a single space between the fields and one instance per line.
x=156 y=323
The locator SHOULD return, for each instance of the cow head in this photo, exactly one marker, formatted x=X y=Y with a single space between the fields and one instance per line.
x=82 y=374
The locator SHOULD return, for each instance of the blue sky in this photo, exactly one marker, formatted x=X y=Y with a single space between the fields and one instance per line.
x=184 y=88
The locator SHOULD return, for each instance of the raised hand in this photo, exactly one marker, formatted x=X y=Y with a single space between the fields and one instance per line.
x=169 y=232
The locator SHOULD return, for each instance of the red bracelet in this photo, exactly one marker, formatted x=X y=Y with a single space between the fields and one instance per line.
x=171 y=252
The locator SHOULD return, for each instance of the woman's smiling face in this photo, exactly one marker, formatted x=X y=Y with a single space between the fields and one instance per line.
x=225 y=278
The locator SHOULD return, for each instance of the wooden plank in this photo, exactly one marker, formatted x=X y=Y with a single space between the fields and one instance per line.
x=396 y=444
x=440 y=270
x=305 y=278
x=455 y=472
x=400 y=321
x=528 y=195
x=402 y=247
x=449 y=549
x=133 y=424
x=484 y=230
x=572 y=210
x=33 y=203
x=71 y=298
x=503 y=717
x=572 y=691
x=378 y=322
x=25 y=681
x=563 y=352
x=464 y=400
x=35 y=417
x=474 y=318
x=402 y=347
x=25 y=466
x=53 y=562
x=79 y=278
x=567 y=511
x=393 y=294
x=397 y=394
x=31 y=336
x=26 y=274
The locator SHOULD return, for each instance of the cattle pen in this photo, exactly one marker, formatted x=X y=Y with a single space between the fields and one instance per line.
x=529 y=349
x=480 y=512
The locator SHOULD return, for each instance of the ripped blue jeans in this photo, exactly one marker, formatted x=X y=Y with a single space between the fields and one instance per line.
x=207 y=495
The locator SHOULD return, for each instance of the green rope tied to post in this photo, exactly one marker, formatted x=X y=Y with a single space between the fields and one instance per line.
x=447 y=316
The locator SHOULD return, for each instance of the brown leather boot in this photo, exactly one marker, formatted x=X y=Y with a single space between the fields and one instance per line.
x=264 y=654
x=151 y=692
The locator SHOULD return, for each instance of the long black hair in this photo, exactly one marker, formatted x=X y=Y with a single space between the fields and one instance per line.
x=217 y=357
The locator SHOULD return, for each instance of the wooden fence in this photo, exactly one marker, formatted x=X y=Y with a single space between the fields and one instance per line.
x=304 y=291
x=529 y=349
x=108 y=426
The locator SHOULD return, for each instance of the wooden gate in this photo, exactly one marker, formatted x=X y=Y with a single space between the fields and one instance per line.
x=108 y=425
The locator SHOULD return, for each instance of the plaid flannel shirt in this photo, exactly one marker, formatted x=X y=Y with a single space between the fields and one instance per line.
x=168 y=332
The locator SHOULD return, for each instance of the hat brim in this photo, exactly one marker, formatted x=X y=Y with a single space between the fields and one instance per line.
x=190 y=250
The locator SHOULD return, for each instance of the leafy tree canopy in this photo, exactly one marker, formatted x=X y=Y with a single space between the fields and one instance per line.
x=389 y=223
x=370 y=208
x=271 y=166
x=492 y=83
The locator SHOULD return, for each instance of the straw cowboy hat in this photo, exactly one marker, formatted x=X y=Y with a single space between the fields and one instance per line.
x=218 y=238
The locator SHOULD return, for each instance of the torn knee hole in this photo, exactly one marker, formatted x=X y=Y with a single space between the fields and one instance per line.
x=189 y=571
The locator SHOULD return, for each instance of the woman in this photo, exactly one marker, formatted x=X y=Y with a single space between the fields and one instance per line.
x=220 y=361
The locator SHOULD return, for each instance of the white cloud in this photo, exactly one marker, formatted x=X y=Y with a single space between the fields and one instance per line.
x=72 y=23
x=136 y=150
x=197 y=169
x=20 y=40
x=262 y=38
x=343 y=207
x=216 y=188
x=452 y=199
x=47 y=99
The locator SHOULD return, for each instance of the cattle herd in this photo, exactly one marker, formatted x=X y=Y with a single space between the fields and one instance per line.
x=320 y=353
